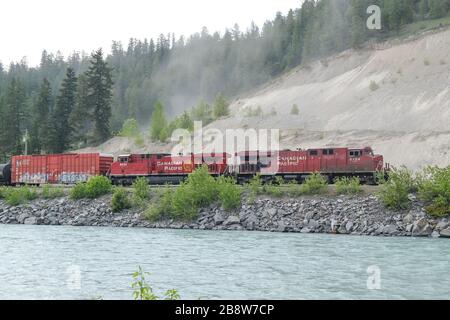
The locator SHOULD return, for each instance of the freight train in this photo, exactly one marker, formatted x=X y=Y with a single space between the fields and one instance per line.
x=168 y=169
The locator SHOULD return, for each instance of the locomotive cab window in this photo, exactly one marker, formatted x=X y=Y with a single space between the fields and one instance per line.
x=328 y=152
x=313 y=153
x=355 y=153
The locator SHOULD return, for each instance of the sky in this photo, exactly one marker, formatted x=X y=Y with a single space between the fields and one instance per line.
x=29 y=26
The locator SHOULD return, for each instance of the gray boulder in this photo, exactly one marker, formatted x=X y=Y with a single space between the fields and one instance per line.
x=31 y=220
x=445 y=233
x=232 y=220
x=421 y=228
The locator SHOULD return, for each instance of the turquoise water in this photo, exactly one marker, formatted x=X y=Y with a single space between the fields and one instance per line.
x=83 y=263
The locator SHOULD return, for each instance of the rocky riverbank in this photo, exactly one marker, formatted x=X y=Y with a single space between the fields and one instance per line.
x=360 y=215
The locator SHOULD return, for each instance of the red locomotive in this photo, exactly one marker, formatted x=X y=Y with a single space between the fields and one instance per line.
x=297 y=165
x=164 y=168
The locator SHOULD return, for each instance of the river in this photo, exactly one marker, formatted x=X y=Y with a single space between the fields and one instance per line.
x=48 y=262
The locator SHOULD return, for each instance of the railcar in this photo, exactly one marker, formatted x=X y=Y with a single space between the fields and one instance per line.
x=58 y=168
x=299 y=164
x=164 y=168
x=5 y=174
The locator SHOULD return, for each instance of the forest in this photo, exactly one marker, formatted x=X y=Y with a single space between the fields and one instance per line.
x=84 y=99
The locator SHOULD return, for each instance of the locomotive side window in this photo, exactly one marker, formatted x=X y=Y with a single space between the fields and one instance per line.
x=313 y=153
x=355 y=153
x=328 y=152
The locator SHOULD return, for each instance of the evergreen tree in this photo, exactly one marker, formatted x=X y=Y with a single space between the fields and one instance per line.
x=80 y=119
x=221 y=107
x=42 y=123
x=99 y=80
x=158 y=128
x=13 y=118
x=65 y=103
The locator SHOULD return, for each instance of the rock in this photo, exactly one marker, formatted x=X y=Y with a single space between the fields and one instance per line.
x=305 y=230
x=31 y=220
x=21 y=218
x=390 y=230
x=218 y=218
x=271 y=212
x=443 y=224
x=232 y=220
x=349 y=226
x=313 y=224
x=421 y=228
x=408 y=219
x=445 y=233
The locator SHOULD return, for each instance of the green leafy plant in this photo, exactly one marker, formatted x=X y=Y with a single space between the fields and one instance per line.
x=79 y=191
x=96 y=186
x=20 y=195
x=160 y=208
x=347 y=185
x=230 y=194
x=52 y=192
x=374 y=86
x=314 y=184
x=143 y=290
x=120 y=200
x=295 y=110
x=141 y=191
x=395 y=191
x=434 y=189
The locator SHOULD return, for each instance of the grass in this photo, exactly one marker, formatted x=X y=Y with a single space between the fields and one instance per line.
x=348 y=186
x=49 y=192
x=19 y=195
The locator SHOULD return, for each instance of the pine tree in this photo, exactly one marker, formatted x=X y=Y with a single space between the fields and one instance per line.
x=158 y=129
x=13 y=118
x=42 y=142
x=65 y=103
x=80 y=119
x=99 y=80
x=438 y=8
x=221 y=107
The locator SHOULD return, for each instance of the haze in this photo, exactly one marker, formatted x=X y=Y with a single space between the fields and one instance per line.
x=27 y=26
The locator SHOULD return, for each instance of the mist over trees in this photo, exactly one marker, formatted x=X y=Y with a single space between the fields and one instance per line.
x=92 y=95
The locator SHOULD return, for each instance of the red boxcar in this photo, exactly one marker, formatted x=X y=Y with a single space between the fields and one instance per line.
x=58 y=168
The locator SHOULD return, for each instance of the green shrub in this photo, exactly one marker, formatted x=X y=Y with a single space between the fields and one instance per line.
x=230 y=194
x=120 y=200
x=255 y=187
x=96 y=186
x=434 y=189
x=20 y=195
x=199 y=190
x=295 y=111
x=161 y=208
x=186 y=201
x=143 y=291
x=274 y=188
x=347 y=185
x=314 y=184
x=141 y=191
x=395 y=191
x=130 y=128
x=79 y=191
x=52 y=193
x=293 y=189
